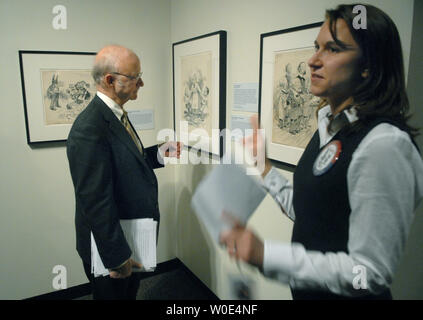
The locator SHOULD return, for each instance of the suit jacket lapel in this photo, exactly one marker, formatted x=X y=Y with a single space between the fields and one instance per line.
x=119 y=130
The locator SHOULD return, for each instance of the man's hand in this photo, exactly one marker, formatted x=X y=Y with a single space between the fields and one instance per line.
x=171 y=149
x=125 y=270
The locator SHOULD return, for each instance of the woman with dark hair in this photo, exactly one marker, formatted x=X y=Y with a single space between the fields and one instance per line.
x=379 y=90
x=360 y=178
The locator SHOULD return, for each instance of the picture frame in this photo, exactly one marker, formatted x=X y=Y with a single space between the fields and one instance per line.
x=199 y=91
x=286 y=106
x=56 y=87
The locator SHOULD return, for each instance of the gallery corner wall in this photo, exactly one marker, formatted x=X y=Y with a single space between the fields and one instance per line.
x=408 y=283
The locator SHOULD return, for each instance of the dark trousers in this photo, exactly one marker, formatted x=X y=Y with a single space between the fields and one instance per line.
x=106 y=288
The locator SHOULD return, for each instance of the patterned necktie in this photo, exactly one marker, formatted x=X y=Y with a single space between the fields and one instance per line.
x=128 y=127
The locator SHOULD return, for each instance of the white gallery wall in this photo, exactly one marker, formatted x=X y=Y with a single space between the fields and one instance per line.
x=36 y=192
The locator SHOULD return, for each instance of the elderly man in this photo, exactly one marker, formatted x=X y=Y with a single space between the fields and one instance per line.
x=112 y=172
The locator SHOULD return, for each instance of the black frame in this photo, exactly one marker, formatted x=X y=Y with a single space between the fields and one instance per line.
x=262 y=38
x=25 y=100
x=222 y=82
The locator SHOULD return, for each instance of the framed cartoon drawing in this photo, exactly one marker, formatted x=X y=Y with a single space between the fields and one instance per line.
x=199 y=91
x=286 y=106
x=56 y=87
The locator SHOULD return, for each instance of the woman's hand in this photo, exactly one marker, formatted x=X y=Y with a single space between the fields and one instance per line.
x=241 y=243
x=256 y=144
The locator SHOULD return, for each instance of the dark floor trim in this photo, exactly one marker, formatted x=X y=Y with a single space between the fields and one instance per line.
x=85 y=289
x=65 y=294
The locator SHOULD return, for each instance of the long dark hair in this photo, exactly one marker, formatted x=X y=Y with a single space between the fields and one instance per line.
x=382 y=93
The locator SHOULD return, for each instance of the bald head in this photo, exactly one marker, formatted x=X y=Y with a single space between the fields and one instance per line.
x=117 y=73
x=110 y=59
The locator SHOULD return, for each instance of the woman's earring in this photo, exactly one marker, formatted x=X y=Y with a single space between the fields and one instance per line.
x=365 y=73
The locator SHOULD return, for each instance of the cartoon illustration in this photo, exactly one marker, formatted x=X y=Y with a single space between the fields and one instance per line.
x=293 y=104
x=195 y=99
x=79 y=93
x=54 y=93
x=66 y=94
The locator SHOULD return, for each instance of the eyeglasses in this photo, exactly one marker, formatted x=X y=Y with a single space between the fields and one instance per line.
x=137 y=77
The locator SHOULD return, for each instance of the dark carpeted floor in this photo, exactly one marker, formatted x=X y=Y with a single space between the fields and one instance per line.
x=177 y=284
x=173 y=285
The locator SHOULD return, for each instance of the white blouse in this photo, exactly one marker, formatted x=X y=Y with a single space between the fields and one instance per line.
x=385 y=185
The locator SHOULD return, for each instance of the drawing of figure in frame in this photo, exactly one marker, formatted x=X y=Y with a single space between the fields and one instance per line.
x=196 y=86
x=65 y=94
x=294 y=120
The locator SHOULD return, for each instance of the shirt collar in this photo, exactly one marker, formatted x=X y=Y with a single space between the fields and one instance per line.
x=116 y=109
x=323 y=115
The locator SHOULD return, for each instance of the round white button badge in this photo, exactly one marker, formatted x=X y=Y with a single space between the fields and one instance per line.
x=327 y=158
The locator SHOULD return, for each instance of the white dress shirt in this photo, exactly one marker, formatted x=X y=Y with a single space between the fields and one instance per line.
x=116 y=109
x=385 y=186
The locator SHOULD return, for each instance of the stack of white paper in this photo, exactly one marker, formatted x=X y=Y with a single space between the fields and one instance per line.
x=227 y=188
x=141 y=237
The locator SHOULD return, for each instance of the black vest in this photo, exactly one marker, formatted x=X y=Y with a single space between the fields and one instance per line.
x=321 y=204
